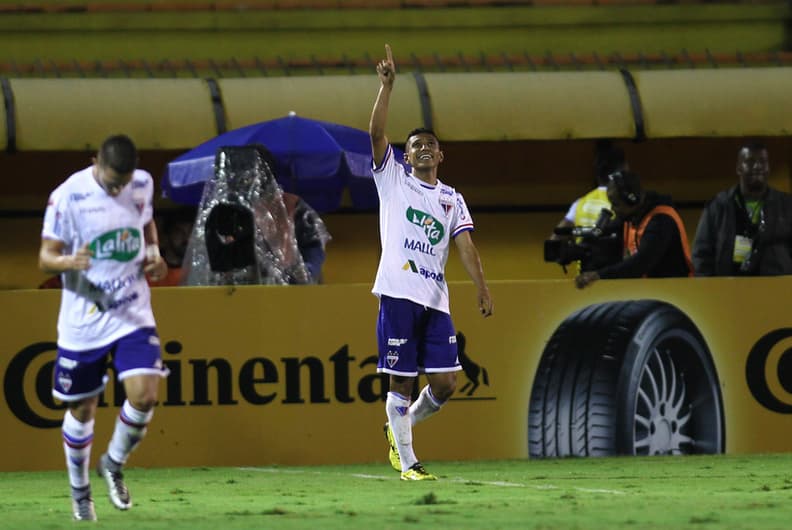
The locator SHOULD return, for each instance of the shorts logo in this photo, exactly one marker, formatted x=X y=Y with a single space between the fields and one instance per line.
x=452 y=339
x=65 y=381
x=120 y=245
x=432 y=227
x=68 y=364
x=153 y=340
x=392 y=358
x=429 y=275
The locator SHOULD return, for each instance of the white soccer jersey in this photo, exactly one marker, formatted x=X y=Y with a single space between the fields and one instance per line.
x=111 y=298
x=417 y=224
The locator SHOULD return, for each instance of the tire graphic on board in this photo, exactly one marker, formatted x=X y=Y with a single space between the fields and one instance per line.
x=626 y=378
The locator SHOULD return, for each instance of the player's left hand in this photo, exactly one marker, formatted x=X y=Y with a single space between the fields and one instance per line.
x=156 y=268
x=486 y=305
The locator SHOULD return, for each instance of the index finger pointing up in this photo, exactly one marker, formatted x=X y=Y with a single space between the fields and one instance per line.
x=388 y=53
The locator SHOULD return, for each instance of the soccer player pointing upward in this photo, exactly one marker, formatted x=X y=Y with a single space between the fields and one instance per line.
x=418 y=217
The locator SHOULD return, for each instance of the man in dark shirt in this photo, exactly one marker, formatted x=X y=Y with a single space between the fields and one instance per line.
x=746 y=230
x=654 y=239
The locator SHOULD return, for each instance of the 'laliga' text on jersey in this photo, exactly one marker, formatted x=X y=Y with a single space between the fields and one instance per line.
x=111 y=298
x=417 y=223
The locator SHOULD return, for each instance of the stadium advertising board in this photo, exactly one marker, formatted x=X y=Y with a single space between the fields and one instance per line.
x=286 y=375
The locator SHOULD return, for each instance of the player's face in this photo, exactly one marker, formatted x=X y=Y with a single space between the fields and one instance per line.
x=110 y=180
x=423 y=151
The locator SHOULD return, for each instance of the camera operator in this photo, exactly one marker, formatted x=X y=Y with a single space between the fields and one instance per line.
x=654 y=239
x=584 y=212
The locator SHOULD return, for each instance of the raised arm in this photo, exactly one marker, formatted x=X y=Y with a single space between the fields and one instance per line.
x=472 y=262
x=386 y=71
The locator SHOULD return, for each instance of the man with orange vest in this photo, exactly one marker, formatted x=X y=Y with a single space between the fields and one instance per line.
x=654 y=237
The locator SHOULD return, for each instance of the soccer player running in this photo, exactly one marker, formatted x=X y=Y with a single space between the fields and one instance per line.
x=100 y=236
x=418 y=217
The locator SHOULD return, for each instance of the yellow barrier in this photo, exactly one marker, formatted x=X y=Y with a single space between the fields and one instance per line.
x=530 y=106
x=266 y=375
x=76 y=114
x=339 y=99
x=716 y=102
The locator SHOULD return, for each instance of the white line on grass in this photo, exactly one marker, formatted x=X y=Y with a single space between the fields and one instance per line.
x=498 y=483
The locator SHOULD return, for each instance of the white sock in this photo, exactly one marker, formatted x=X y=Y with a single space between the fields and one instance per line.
x=130 y=428
x=426 y=405
x=77 y=440
x=397 y=407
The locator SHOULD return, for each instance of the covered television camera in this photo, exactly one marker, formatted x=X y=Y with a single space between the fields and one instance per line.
x=593 y=246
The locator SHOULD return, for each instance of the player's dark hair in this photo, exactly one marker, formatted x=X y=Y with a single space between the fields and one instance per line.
x=420 y=130
x=118 y=152
x=608 y=159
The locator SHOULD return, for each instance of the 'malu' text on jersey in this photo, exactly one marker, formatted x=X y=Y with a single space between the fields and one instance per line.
x=119 y=245
x=419 y=246
x=432 y=227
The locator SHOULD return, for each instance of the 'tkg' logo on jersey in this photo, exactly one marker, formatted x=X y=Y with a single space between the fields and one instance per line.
x=119 y=245
x=432 y=227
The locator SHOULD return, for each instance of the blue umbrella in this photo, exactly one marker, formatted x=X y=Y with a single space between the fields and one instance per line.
x=314 y=159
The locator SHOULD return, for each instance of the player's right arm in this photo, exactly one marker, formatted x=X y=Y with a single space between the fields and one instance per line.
x=52 y=260
x=386 y=71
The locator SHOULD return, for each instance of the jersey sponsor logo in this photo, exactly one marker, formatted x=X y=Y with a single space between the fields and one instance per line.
x=77 y=197
x=413 y=187
x=115 y=284
x=124 y=300
x=396 y=342
x=419 y=246
x=96 y=209
x=432 y=227
x=426 y=273
x=462 y=214
x=138 y=184
x=119 y=245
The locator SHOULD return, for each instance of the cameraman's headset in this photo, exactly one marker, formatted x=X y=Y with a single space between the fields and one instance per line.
x=627 y=186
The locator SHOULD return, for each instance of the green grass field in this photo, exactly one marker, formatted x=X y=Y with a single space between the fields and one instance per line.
x=732 y=492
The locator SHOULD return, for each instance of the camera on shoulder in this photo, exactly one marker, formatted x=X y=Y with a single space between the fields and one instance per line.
x=593 y=246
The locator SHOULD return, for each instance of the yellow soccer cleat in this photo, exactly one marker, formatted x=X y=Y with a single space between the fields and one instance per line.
x=393 y=453
x=417 y=472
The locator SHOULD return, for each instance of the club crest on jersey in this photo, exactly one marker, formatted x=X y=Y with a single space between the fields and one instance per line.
x=433 y=229
x=446 y=200
x=122 y=244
